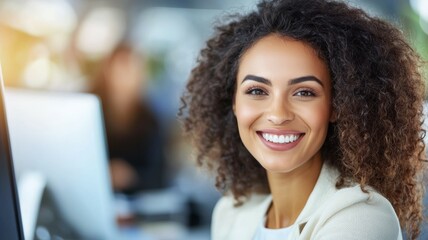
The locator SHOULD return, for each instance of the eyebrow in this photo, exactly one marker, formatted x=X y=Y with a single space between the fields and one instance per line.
x=257 y=79
x=304 y=79
x=291 y=82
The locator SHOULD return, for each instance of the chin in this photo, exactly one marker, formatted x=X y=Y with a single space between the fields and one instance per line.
x=278 y=166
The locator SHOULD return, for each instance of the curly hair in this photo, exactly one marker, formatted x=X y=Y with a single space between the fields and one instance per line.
x=377 y=96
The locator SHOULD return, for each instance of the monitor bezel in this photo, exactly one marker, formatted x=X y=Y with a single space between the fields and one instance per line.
x=4 y=132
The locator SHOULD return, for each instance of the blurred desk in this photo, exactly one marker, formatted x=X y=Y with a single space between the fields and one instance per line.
x=158 y=215
x=165 y=231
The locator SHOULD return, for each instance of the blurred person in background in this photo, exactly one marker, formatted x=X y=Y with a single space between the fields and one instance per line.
x=134 y=136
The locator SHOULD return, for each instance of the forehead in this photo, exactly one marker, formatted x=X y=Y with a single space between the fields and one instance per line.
x=276 y=56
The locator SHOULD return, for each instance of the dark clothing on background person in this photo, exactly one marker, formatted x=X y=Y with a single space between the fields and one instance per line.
x=134 y=136
x=141 y=146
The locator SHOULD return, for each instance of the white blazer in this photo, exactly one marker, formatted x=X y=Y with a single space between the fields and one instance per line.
x=329 y=213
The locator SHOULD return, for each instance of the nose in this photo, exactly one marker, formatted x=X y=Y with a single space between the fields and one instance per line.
x=280 y=112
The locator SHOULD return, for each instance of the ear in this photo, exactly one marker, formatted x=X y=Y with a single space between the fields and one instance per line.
x=233 y=105
x=234 y=109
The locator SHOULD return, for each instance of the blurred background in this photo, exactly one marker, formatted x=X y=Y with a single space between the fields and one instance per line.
x=136 y=55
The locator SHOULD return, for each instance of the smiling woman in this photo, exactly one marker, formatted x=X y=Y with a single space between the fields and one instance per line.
x=283 y=119
x=310 y=112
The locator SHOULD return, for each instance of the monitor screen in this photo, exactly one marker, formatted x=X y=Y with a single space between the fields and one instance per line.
x=59 y=137
x=10 y=218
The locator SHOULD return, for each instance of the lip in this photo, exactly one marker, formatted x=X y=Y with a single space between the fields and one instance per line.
x=280 y=146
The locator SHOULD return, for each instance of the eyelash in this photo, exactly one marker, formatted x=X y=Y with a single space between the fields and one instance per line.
x=303 y=93
x=307 y=93
x=252 y=90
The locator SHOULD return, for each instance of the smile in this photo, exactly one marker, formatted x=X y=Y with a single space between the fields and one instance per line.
x=289 y=138
x=280 y=140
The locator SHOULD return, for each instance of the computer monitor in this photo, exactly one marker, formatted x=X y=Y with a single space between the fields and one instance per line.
x=60 y=136
x=10 y=218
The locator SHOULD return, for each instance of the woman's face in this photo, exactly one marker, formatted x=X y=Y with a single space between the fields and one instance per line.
x=282 y=103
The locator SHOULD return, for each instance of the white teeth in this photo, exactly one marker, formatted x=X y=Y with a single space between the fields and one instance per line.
x=275 y=138
x=280 y=138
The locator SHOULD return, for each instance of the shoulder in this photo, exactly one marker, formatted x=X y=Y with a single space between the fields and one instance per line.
x=227 y=218
x=351 y=213
x=224 y=207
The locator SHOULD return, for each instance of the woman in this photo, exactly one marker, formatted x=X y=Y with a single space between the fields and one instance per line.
x=310 y=111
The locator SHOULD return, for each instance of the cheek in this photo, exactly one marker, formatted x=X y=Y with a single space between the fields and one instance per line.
x=318 y=117
x=243 y=117
x=246 y=113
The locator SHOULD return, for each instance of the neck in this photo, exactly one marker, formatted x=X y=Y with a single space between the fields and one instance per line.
x=290 y=192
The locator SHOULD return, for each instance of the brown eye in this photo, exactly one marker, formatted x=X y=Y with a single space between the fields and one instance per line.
x=256 y=91
x=305 y=93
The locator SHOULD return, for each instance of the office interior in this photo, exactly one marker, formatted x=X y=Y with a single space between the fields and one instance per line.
x=63 y=47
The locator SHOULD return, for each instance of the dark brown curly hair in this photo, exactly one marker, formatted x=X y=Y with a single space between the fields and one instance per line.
x=377 y=95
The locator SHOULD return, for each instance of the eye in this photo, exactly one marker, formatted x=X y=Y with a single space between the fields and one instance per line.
x=256 y=91
x=305 y=93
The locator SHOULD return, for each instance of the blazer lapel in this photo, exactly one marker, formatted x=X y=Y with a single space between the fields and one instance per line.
x=324 y=188
x=250 y=217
